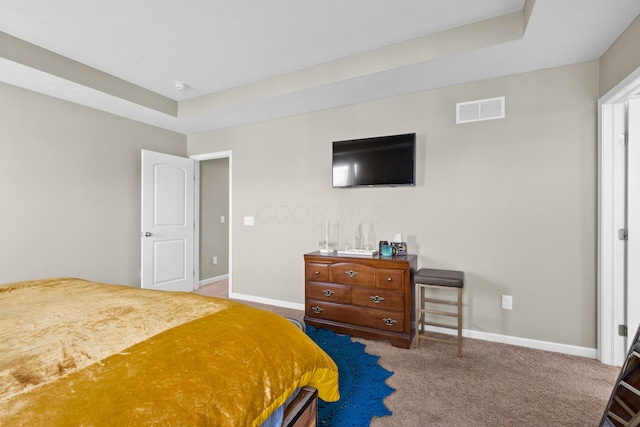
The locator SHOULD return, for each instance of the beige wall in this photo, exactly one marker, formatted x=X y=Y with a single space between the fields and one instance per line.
x=510 y=202
x=70 y=189
x=621 y=59
x=214 y=203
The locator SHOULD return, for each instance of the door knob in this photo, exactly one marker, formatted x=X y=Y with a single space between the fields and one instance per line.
x=147 y=234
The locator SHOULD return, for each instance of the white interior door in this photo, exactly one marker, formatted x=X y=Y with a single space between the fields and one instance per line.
x=618 y=288
x=167 y=222
x=633 y=220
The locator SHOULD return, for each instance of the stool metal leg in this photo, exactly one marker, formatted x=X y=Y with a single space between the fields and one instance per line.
x=459 y=322
x=418 y=314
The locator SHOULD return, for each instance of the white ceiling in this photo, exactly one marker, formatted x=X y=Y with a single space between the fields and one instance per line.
x=213 y=45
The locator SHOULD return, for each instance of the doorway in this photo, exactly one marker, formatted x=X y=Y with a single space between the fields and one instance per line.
x=617 y=165
x=214 y=218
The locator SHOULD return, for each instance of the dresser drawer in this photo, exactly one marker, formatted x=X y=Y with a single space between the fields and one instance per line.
x=390 y=278
x=381 y=319
x=378 y=298
x=326 y=310
x=351 y=273
x=328 y=292
x=377 y=319
x=317 y=271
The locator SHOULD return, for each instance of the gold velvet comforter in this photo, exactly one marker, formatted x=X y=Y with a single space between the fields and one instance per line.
x=79 y=353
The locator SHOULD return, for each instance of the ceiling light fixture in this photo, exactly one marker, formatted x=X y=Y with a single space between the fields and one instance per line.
x=179 y=85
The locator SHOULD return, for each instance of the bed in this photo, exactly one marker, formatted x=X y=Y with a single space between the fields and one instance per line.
x=75 y=352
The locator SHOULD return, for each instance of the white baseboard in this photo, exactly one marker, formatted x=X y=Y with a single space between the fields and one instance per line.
x=268 y=301
x=573 y=350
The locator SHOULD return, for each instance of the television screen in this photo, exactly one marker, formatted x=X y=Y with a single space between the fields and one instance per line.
x=384 y=160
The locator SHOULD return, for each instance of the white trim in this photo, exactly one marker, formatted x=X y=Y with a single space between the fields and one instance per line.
x=268 y=301
x=212 y=156
x=211 y=280
x=573 y=350
x=623 y=90
x=196 y=225
x=632 y=290
x=610 y=268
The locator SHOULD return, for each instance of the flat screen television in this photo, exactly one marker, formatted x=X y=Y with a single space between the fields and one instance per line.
x=379 y=161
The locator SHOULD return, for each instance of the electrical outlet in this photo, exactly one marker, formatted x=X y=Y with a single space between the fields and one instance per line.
x=215 y=259
x=507 y=302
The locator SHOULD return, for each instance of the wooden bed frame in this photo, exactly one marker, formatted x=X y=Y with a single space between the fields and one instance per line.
x=303 y=410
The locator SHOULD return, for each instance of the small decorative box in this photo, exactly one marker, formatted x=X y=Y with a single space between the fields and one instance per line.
x=399 y=248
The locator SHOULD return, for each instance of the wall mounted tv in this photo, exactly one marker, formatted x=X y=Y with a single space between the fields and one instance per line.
x=380 y=161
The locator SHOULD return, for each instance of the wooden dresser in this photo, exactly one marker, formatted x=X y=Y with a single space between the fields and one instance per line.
x=368 y=297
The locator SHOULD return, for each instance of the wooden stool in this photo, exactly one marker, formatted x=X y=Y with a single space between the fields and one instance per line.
x=438 y=279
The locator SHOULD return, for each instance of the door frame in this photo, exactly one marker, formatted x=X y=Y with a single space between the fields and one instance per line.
x=611 y=211
x=196 y=250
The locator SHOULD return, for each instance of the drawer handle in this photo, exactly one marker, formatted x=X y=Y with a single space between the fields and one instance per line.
x=351 y=273
x=389 y=321
x=317 y=309
x=328 y=292
x=389 y=279
x=317 y=273
x=376 y=299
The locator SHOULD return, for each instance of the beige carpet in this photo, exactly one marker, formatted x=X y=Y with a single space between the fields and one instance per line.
x=491 y=385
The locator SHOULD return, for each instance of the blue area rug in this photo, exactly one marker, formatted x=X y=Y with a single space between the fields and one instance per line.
x=362 y=382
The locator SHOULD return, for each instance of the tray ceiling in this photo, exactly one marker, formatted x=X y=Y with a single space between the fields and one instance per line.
x=248 y=61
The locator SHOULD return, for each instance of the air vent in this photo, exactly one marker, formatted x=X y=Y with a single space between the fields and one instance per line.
x=482 y=109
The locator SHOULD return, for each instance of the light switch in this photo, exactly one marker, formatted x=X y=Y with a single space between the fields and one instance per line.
x=248 y=220
x=507 y=302
x=221 y=219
